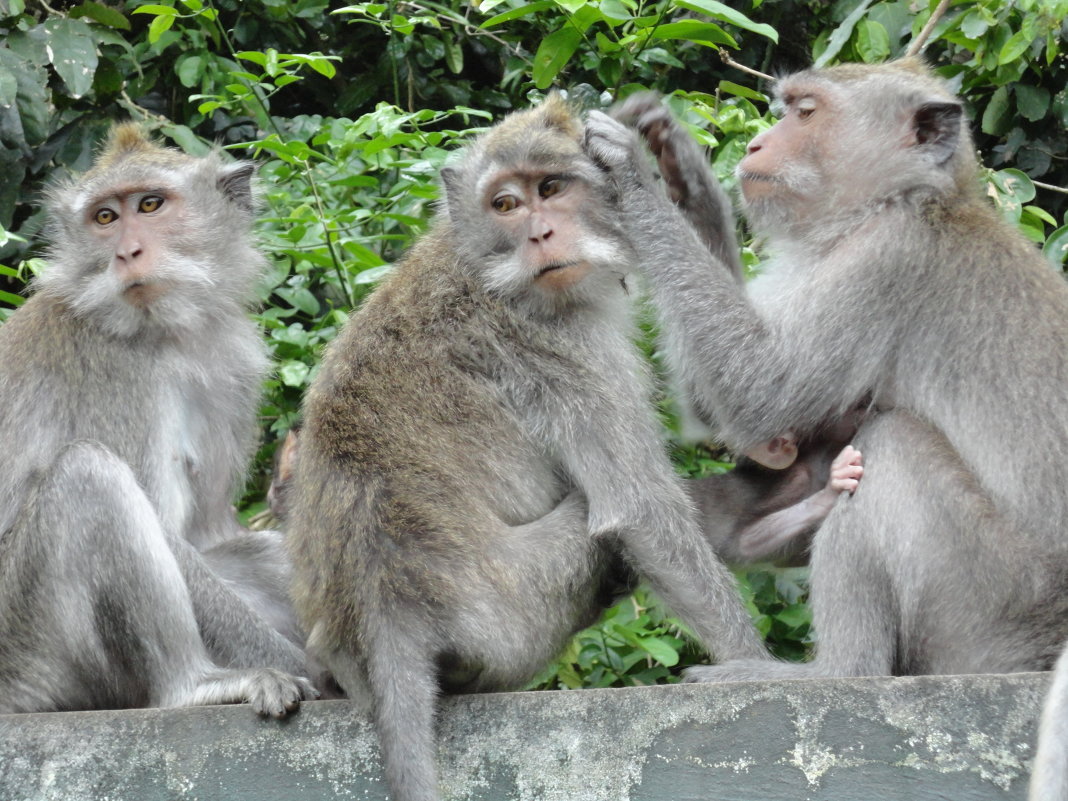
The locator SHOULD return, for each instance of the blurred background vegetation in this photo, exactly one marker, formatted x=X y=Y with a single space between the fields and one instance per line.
x=351 y=110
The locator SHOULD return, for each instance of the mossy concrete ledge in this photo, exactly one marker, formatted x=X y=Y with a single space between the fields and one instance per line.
x=953 y=737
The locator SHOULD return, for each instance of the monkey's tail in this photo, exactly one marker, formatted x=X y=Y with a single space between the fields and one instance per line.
x=403 y=682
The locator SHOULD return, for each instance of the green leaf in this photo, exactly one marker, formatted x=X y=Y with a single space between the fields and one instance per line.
x=98 y=12
x=523 y=11
x=1056 y=247
x=189 y=70
x=741 y=91
x=160 y=25
x=728 y=14
x=571 y=6
x=841 y=34
x=165 y=11
x=997 y=114
x=873 y=42
x=372 y=275
x=795 y=616
x=294 y=373
x=1015 y=47
x=254 y=56
x=1032 y=101
x=692 y=30
x=615 y=10
x=553 y=53
x=9 y=87
x=11 y=299
x=1041 y=214
x=186 y=140
x=454 y=53
x=1017 y=183
x=659 y=650
x=324 y=65
x=300 y=298
x=72 y=51
x=973 y=25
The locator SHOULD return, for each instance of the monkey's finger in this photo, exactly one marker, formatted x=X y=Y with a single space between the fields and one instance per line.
x=635 y=106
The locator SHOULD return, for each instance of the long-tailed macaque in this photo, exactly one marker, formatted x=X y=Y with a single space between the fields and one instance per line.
x=479 y=449
x=129 y=385
x=891 y=275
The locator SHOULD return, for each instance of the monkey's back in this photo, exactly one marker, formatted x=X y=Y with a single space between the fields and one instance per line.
x=410 y=459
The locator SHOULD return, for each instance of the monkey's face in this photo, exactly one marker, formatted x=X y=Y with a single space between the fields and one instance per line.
x=850 y=139
x=550 y=236
x=152 y=241
x=783 y=169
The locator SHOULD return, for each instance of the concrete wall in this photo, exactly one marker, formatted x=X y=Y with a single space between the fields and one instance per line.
x=957 y=738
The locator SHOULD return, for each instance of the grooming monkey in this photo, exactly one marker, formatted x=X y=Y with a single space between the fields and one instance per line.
x=129 y=385
x=479 y=449
x=750 y=514
x=892 y=276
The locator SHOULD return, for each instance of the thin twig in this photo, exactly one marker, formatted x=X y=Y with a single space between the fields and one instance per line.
x=1050 y=187
x=921 y=38
x=730 y=62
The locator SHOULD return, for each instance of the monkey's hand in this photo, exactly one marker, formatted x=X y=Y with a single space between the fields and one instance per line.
x=618 y=150
x=846 y=470
x=672 y=146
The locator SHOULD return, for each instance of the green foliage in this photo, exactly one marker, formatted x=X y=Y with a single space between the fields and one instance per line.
x=352 y=108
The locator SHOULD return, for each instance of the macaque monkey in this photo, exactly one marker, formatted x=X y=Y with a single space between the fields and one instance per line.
x=129 y=385
x=891 y=276
x=748 y=515
x=479 y=450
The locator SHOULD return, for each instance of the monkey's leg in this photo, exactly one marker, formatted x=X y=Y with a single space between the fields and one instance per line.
x=515 y=612
x=93 y=609
x=255 y=565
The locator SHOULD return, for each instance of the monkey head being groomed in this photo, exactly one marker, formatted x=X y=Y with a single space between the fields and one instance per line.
x=479 y=451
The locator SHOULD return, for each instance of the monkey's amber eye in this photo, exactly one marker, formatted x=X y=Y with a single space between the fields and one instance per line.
x=105 y=216
x=502 y=204
x=150 y=203
x=551 y=186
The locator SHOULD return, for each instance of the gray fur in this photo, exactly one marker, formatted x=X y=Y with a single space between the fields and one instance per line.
x=1049 y=775
x=127 y=431
x=891 y=276
x=475 y=456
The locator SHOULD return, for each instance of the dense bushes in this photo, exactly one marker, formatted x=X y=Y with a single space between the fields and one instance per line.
x=352 y=109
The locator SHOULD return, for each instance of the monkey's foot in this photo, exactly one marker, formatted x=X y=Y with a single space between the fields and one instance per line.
x=747 y=670
x=270 y=692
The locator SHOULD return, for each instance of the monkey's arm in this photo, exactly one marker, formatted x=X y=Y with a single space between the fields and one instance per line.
x=690 y=185
x=754 y=378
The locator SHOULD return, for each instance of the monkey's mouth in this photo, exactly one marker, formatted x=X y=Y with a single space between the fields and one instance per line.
x=142 y=294
x=558 y=276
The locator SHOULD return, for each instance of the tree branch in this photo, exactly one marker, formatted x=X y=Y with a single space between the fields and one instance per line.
x=730 y=62
x=921 y=37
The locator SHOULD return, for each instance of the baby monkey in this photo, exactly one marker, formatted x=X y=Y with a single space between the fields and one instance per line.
x=480 y=466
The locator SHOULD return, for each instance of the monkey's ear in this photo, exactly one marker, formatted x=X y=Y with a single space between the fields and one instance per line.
x=235 y=181
x=937 y=127
x=450 y=185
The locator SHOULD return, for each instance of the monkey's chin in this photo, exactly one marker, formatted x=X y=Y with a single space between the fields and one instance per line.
x=561 y=277
x=755 y=186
